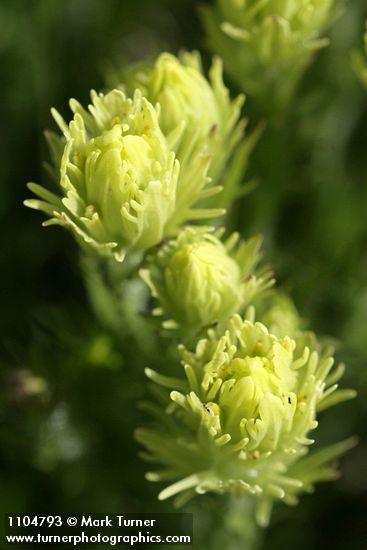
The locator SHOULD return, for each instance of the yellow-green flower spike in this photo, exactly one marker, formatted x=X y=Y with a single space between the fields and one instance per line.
x=267 y=44
x=199 y=280
x=117 y=175
x=241 y=420
x=202 y=126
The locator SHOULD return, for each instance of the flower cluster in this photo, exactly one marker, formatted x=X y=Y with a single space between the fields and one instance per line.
x=138 y=164
x=165 y=148
x=200 y=280
x=240 y=422
x=117 y=174
x=201 y=124
x=267 y=45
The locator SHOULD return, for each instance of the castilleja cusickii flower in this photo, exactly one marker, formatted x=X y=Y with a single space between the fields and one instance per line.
x=202 y=126
x=240 y=420
x=266 y=45
x=117 y=175
x=199 y=280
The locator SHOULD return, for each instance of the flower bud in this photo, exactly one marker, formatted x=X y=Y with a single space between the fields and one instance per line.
x=241 y=420
x=266 y=47
x=184 y=94
x=198 y=280
x=201 y=124
x=118 y=176
x=280 y=315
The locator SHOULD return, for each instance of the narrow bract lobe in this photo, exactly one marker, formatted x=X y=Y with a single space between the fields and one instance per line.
x=240 y=422
x=117 y=175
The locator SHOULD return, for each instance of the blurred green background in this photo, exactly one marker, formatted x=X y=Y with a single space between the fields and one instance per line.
x=70 y=385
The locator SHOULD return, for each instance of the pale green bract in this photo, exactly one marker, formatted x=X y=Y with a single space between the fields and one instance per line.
x=199 y=280
x=202 y=126
x=240 y=421
x=118 y=175
x=280 y=315
x=266 y=44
